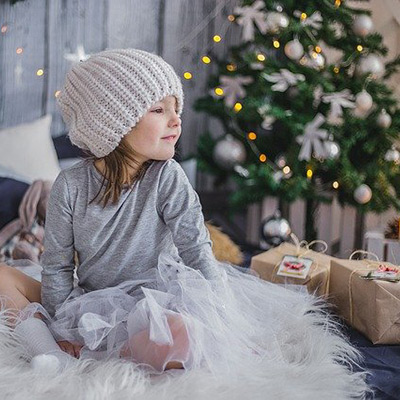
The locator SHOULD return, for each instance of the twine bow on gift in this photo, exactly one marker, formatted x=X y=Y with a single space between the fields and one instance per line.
x=303 y=243
x=371 y=266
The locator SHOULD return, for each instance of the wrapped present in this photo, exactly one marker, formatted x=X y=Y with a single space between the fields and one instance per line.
x=295 y=264
x=366 y=294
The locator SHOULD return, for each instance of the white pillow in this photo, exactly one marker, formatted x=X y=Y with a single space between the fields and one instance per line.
x=27 y=150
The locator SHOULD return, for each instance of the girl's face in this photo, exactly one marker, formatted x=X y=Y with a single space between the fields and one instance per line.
x=155 y=135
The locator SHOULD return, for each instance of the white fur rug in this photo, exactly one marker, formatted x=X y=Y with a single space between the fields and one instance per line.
x=312 y=373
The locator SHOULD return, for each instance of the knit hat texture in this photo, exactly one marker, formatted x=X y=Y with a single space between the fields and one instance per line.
x=105 y=96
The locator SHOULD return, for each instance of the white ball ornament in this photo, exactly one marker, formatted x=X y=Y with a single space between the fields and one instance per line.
x=371 y=64
x=392 y=155
x=228 y=152
x=363 y=25
x=384 y=119
x=363 y=194
x=294 y=49
x=363 y=101
x=332 y=149
x=276 y=21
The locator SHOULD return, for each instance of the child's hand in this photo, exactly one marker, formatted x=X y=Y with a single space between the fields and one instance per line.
x=72 y=349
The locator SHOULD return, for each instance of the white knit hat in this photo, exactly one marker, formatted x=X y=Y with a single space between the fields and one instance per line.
x=104 y=97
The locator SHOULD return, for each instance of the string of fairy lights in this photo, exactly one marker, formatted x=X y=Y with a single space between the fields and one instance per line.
x=238 y=106
x=261 y=58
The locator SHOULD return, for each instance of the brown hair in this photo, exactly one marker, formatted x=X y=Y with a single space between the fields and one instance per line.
x=116 y=171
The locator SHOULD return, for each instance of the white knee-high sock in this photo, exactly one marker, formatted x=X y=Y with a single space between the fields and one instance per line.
x=39 y=341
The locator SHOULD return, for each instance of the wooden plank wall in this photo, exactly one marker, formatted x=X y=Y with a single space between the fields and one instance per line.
x=49 y=29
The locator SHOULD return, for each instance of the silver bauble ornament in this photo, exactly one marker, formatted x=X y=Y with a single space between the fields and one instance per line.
x=294 y=49
x=228 y=152
x=362 y=25
x=384 y=119
x=275 y=230
x=276 y=21
x=363 y=194
x=392 y=155
x=371 y=64
x=363 y=101
x=332 y=149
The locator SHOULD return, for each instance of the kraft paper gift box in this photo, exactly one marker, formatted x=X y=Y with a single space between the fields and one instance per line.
x=370 y=306
x=317 y=280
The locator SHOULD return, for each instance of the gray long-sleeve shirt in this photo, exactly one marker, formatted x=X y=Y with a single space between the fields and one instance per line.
x=161 y=212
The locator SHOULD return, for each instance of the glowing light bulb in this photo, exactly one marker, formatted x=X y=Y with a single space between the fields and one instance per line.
x=217 y=38
x=263 y=157
x=231 y=67
x=187 y=75
x=286 y=170
x=19 y=50
x=303 y=61
x=218 y=91
x=39 y=72
x=57 y=93
x=231 y=17
x=260 y=57
x=237 y=107
x=303 y=16
x=359 y=48
x=335 y=184
x=276 y=44
x=318 y=49
x=252 y=136
x=3 y=28
x=309 y=173
x=206 y=60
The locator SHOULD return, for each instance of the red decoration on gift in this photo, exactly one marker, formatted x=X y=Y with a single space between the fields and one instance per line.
x=294 y=265
x=386 y=268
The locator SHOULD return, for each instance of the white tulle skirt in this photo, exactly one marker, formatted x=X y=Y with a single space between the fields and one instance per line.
x=233 y=323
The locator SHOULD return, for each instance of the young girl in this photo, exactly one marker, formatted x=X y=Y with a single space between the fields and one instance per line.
x=149 y=289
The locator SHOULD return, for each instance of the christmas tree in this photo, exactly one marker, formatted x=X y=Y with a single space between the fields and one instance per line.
x=305 y=108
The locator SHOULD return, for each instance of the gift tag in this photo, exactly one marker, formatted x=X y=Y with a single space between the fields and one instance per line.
x=384 y=273
x=295 y=267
